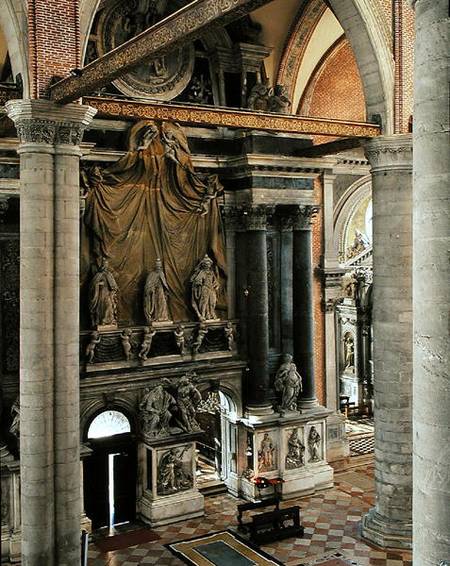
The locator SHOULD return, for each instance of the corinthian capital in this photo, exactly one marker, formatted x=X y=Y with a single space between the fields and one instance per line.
x=304 y=216
x=256 y=217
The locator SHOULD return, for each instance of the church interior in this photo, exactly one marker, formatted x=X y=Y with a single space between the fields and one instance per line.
x=224 y=282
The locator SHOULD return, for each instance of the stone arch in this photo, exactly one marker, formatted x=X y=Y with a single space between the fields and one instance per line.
x=346 y=205
x=92 y=408
x=13 y=21
x=88 y=9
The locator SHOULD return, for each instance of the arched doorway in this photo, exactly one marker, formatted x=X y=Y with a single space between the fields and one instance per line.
x=217 y=449
x=110 y=471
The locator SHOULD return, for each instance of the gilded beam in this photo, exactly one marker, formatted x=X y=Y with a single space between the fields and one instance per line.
x=181 y=27
x=231 y=118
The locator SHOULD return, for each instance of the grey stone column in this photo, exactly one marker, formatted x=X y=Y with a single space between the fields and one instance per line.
x=258 y=390
x=49 y=333
x=303 y=304
x=232 y=219
x=431 y=285
x=286 y=282
x=390 y=157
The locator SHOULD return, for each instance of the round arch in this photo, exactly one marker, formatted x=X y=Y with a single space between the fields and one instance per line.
x=13 y=22
x=95 y=407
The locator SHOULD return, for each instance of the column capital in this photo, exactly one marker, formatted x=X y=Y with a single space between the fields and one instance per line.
x=390 y=153
x=256 y=216
x=233 y=218
x=303 y=216
x=43 y=122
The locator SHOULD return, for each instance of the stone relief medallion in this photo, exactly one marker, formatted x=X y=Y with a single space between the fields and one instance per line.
x=161 y=78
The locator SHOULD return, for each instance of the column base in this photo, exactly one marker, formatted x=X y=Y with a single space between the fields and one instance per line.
x=309 y=403
x=386 y=533
x=259 y=410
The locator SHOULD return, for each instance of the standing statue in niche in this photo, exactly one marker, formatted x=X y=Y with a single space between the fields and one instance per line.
x=349 y=352
x=103 y=295
x=314 y=444
x=205 y=286
x=229 y=335
x=349 y=283
x=188 y=398
x=266 y=454
x=296 y=451
x=288 y=382
x=92 y=345
x=155 y=295
x=155 y=409
x=146 y=345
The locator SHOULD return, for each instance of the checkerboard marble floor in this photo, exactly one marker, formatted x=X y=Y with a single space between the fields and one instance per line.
x=331 y=519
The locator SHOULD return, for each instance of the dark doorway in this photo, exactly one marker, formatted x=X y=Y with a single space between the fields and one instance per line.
x=109 y=480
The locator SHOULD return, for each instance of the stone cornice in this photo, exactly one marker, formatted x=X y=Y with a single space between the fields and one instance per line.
x=43 y=122
x=390 y=153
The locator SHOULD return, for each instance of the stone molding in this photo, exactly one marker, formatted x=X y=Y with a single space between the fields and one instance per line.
x=390 y=153
x=256 y=217
x=304 y=216
x=43 y=122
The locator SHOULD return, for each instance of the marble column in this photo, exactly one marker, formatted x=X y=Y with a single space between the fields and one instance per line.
x=390 y=157
x=258 y=390
x=303 y=306
x=49 y=299
x=431 y=285
x=286 y=282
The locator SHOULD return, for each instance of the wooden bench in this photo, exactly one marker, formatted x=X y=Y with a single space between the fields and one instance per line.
x=254 y=505
x=276 y=525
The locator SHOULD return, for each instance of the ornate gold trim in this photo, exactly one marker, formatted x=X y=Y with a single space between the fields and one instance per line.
x=232 y=118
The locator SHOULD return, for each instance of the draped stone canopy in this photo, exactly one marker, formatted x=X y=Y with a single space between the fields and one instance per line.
x=152 y=204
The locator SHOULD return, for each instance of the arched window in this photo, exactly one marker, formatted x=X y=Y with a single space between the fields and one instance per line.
x=109 y=423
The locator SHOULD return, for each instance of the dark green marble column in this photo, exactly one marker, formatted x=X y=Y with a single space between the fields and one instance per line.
x=258 y=385
x=303 y=303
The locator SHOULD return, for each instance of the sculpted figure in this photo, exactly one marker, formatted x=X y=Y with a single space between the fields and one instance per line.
x=103 y=292
x=288 y=382
x=349 y=283
x=179 y=338
x=171 y=475
x=314 y=444
x=229 y=335
x=279 y=101
x=360 y=243
x=155 y=409
x=188 y=398
x=155 y=295
x=265 y=454
x=146 y=345
x=90 y=348
x=258 y=98
x=349 y=352
x=202 y=332
x=14 y=429
x=296 y=451
x=126 y=344
x=205 y=285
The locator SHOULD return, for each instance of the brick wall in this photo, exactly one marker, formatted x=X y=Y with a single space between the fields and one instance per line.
x=53 y=41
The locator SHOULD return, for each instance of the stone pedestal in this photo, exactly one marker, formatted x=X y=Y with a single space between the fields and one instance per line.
x=167 y=481
x=431 y=289
x=390 y=523
x=49 y=327
x=270 y=456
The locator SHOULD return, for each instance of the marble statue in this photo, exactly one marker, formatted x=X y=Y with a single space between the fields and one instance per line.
x=266 y=458
x=229 y=335
x=349 y=352
x=155 y=295
x=349 y=283
x=14 y=428
x=90 y=348
x=296 y=451
x=288 y=382
x=314 y=444
x=155 y=409
x=126 y=343
x=180 y=338
x=205 y=286
x=258 y=98
x=202 y=332
x=188 y=398
x=146 y=345
x=103 y=296
x=171 y=474
x=279 y=101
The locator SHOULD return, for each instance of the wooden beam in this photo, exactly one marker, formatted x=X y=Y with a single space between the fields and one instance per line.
x=183 y=26
x=332 y=147
x=229 y=117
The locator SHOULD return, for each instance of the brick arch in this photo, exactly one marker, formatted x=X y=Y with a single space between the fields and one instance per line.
x=335 y=89
x=13 y=21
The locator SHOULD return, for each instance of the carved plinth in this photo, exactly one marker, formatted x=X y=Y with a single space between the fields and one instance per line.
x=167 y=480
